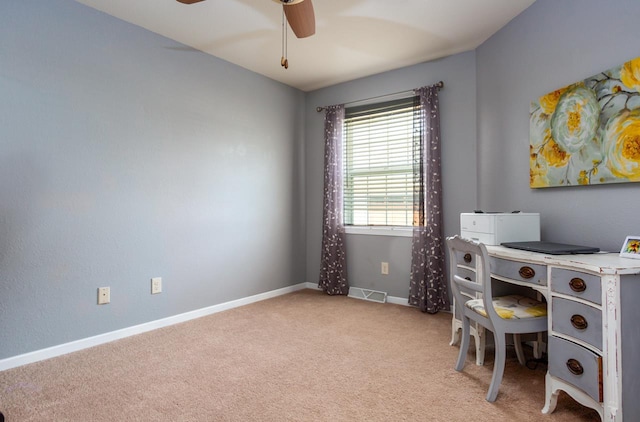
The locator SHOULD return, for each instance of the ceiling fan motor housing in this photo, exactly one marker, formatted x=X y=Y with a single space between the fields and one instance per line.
x=288 y=2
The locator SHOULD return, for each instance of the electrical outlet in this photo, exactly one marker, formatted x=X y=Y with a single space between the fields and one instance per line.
x=104 y=295
x=156 y=285
x=384 y=268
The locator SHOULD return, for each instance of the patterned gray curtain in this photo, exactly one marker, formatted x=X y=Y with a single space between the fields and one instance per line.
x=428 y=287
x=333 y=266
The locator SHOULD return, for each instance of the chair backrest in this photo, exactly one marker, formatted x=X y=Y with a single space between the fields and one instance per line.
x=465 y=256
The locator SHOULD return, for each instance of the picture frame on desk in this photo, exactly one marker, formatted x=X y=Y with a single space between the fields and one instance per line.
x=631 y=247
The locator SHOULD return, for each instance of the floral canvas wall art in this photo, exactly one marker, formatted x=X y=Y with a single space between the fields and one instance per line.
x=588 y=133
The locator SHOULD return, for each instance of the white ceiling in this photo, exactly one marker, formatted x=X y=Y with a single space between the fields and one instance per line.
x=354 y=38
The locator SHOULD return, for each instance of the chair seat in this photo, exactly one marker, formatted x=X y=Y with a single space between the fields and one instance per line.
x=511 y=307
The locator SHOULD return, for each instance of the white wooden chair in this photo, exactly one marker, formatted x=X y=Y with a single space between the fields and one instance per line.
x=511 y=314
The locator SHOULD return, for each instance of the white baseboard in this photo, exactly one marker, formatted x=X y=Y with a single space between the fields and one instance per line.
x=85 y=343
x=312 y=286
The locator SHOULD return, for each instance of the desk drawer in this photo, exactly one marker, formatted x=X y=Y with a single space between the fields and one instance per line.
x=577 y=320
x=519 y=271
x=576 y=365
x=574 y=283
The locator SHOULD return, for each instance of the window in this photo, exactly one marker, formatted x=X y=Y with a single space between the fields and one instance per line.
x=378 y=163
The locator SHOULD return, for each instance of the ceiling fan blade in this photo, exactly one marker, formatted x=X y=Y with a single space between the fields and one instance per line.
x=301 y=18
x=189 y=1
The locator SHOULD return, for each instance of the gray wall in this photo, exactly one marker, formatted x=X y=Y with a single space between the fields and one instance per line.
x=552 y=44
x=457 y=102
x=125 y=156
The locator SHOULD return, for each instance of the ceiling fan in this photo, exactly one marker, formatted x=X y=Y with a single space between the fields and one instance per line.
x=300 y=17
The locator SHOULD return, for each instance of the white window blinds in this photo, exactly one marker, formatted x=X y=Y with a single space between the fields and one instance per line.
x=378 y=163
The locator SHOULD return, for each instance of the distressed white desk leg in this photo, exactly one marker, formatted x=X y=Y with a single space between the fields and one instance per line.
x=538 y=346
x=538 y=343
x=481 y=340
x=554 y=385
x=612 y=354
x=517 y=343
x=550 y=396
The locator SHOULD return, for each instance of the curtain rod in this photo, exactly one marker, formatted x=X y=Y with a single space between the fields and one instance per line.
x=439 y=85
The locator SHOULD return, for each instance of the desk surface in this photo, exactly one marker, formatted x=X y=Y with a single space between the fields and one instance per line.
x=599 y=263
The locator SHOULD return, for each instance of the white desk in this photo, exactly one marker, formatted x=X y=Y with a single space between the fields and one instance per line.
x=594 y=325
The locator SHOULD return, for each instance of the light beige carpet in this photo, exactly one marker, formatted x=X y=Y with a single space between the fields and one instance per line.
x=304 y=356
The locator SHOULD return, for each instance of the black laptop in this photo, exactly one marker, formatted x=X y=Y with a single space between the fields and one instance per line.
x=551 y=248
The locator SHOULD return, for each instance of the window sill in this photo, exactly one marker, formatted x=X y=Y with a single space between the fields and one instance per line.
x=380 y=230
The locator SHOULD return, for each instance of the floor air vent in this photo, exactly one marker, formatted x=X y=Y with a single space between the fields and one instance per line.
x=365 y=294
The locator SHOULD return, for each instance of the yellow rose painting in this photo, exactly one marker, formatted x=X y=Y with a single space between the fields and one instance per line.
x=588 y=132
x=630 y=74
x=622 y=143
x=548 y=102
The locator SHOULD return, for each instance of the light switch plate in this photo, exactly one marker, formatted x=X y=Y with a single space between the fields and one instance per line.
x=384 y=268
x=156 y=285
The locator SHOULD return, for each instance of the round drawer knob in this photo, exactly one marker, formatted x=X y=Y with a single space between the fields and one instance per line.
x=579 y=322
x=527 y=272
x=575 y=367
x=467 y=258
x=577 y=285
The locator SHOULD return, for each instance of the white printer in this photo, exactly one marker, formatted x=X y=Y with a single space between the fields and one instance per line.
x=496 y=228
